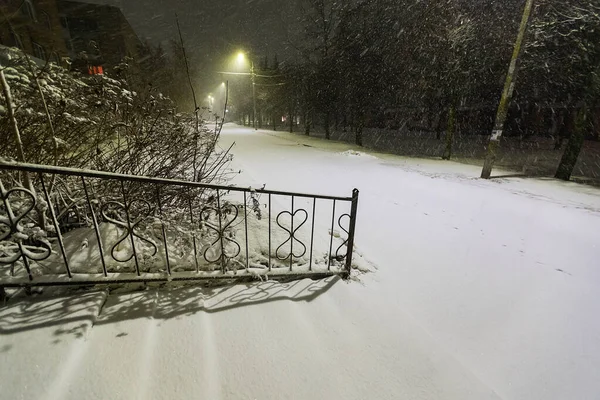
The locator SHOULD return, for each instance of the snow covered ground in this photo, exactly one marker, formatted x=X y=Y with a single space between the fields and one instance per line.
x=483 y=290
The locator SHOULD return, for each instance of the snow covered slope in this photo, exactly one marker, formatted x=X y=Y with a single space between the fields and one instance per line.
x=483 y=290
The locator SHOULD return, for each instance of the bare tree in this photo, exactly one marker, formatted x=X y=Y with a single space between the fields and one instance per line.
x=14 y=127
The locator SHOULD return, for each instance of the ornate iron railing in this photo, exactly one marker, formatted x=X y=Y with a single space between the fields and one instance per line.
x=81 y=227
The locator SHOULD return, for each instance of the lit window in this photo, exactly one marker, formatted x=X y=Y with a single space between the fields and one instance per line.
x=95 y=70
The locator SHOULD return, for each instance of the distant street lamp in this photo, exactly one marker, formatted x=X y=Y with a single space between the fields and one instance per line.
x=241 y=62
x=253 y=94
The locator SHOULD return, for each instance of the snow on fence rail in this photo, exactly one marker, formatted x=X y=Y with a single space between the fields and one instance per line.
x=82 y=227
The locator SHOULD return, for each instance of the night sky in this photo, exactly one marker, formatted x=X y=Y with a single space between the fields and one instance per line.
x=214 y=28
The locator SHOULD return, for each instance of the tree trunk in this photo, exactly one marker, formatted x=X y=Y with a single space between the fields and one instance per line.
x=565 y=125
x=359 y=134
x=450 y=133
x=307 y=122
x=275 y=122
x=597 y=123
x=554 y=127
x=326 y=124
x=291 y=123
x=574 y=146
x=439 y=125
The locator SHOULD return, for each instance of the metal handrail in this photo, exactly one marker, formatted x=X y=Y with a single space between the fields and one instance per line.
x=18 y=166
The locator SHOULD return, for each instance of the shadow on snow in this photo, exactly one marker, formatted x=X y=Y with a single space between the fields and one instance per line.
x=75 y=313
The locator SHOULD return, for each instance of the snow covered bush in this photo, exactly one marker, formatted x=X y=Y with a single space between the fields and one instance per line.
x=97 y=122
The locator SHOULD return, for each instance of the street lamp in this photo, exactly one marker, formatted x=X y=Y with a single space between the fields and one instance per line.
x=241 y=62
x=253 y=93
x=241 y=58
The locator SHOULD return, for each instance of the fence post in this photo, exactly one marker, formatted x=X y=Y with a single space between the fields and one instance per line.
x=56 y=227
x=353 y=211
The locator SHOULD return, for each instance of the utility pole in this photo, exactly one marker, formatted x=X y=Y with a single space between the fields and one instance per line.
x=253 y=93
x=507 y=93
x=253 y=76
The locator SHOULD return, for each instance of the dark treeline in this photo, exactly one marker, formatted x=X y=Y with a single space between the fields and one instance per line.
x=440 y=66
x=427 y=66
x=372 y=63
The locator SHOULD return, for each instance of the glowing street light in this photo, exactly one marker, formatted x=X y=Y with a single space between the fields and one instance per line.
x=242 y=63
x=241 y=58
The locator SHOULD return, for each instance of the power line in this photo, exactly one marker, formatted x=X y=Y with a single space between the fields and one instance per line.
x=249 y=74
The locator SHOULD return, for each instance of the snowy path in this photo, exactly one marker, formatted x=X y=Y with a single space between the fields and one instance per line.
x=484 y=290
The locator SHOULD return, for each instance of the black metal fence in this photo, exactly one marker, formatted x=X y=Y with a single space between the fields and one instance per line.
x=63 y=226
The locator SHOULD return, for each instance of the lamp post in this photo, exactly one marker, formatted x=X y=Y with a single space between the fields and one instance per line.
x=253 y=93
x=241 y=60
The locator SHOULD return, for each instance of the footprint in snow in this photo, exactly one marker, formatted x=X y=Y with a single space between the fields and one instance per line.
x=564 y=272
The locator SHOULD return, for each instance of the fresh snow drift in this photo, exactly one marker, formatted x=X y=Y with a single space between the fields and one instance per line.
x=483 y=290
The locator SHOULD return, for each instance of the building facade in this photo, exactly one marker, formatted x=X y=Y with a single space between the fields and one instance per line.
x=91 y=38
x=97 y=35
x=34 y=27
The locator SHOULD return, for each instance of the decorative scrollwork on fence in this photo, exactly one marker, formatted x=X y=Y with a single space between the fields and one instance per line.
x=339 y=257
x=292 y=234
x=136 y=210
x=220 y=220
x=18 y=245
x=121 y=215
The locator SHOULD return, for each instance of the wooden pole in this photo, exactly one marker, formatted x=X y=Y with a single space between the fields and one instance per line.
x=494 y=143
